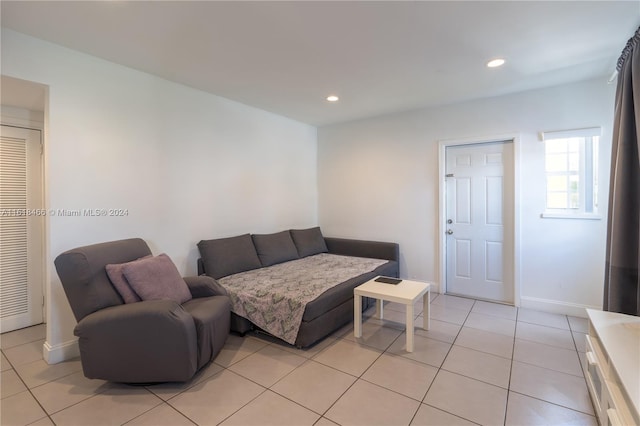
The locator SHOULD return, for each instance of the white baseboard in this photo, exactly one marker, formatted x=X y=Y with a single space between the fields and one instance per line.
x=61 y=352
x=556 y=306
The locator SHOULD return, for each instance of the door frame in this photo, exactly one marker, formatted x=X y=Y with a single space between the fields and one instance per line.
x=442 y=210
x=36 y=288
x=26 y=119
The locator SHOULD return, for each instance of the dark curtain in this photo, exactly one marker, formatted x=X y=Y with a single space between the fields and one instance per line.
x=621 y=286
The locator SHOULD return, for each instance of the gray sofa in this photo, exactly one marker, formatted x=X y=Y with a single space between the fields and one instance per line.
x=140 y=342
x=323 y=315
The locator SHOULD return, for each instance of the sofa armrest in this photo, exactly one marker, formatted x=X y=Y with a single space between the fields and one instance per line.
x=139 y=342
x=362 y=248
x=204 y=286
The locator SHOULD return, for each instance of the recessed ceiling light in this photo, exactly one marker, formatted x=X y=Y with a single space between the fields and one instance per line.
x=333 y=98
x=495 y=63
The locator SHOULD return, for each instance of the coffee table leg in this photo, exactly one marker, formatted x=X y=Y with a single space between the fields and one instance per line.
x=357 y=315
x=426 y=312
x=379 y=308
x=410 y=327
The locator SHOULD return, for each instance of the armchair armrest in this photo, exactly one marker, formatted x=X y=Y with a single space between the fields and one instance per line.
x=139 y=342
x=363 y=248
x=204 y=286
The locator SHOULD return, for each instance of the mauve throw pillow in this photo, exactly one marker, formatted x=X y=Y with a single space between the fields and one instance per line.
x=157 y=278
x=309 y=241
x=114 y=271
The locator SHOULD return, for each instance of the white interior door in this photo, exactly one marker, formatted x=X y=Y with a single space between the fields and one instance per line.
x=479 y=215
x=21 y=228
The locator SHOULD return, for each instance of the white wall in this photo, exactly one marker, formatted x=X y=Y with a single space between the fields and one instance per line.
x=378 y=179
x=186 y=165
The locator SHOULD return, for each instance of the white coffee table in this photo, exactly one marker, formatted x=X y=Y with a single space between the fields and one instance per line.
x=407 y=292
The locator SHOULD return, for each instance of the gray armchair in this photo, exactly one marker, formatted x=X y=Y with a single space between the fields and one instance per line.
x=143 y=342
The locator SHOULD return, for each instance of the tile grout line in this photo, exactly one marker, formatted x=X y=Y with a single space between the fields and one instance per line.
x=420 y=402
x=513 y=353
x=367 y=369
x=451 y=414
x=360 y=377
x=28 y=389
x=545 y=368
x=264 y=389
x=307 y=360
x=146 y=411
x=553 y=403
x=440 y=367
x=171 y=407
x=357 y=378
x=584 y=376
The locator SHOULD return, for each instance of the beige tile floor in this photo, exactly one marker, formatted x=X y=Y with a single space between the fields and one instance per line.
x=481 y=363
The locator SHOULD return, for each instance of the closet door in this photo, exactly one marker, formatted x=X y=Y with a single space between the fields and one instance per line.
x=21 y=228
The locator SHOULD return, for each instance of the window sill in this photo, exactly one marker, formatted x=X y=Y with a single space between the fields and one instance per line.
x=582 y=216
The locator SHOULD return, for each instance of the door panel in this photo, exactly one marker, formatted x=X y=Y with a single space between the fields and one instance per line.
x=479 y=241
x=463 y=258
x=493 y=250
x=463 y=200
x=494 y=207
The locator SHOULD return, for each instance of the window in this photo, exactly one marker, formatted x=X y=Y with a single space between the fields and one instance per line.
x=571 y=168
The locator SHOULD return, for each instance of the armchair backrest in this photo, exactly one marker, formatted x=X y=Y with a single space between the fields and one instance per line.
x=84 y=277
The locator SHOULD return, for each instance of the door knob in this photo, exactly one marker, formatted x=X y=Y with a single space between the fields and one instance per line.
x=449 y=231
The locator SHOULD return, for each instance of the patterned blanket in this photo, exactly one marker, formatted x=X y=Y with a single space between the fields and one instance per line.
x=274 y=298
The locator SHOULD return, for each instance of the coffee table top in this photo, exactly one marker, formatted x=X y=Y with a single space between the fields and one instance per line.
x=404 y=292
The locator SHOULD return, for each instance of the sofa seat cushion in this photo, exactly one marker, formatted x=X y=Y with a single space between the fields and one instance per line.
x=274 y=298
x=227 y=256
x=275 y=248
x=309 y=241
x=344 y=291
x=212 y=317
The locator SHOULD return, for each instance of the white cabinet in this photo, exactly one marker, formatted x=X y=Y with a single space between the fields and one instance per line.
x=613 y=367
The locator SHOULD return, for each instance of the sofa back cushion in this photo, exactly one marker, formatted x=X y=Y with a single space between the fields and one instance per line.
x=275 y=248
x=309 y=241
x=84 y=277
x=228 y=256
x=156 y=278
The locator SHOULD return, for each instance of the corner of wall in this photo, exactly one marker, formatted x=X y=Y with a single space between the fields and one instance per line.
x=556 y=306
x=60 y=352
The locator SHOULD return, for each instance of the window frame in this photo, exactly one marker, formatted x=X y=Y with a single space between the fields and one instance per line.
x=588 y=171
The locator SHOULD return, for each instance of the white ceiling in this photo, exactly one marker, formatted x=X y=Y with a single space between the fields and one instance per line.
x=379 y=57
